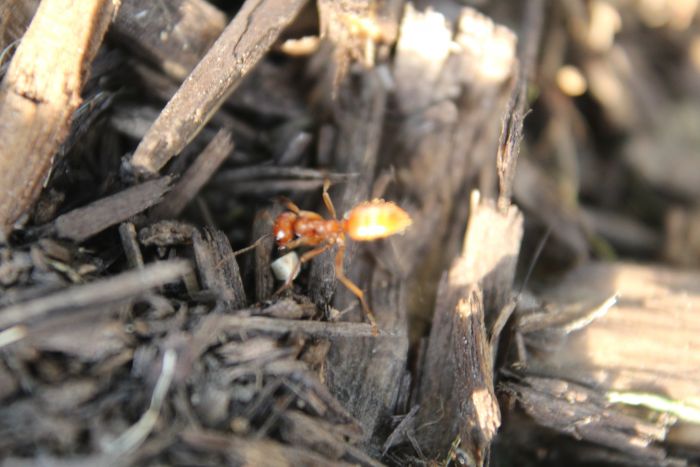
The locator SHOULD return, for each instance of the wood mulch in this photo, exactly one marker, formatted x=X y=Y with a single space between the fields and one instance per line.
x=542 y=309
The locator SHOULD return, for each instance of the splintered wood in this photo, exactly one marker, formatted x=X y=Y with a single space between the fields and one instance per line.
x=40 y=93
x=583 y=412
x=218 y=267
x=451 y=93
x=644 y=342
x=456 y=394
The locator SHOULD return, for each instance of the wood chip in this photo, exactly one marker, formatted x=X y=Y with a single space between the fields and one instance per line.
x=457 y=384
x=582 y=412
x=644 y=342
x=218 y=267
x=82 y=223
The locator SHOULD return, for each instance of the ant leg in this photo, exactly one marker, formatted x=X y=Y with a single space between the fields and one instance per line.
x=306 y=257
x=327 y=199
x=295 y=244
x=289 y=204
x=340 y=275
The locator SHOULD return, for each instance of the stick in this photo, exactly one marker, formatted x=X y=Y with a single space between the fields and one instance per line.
x=242 y=44
x=195 y=177
x=82 y=223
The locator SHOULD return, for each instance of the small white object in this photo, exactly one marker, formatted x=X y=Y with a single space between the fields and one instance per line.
x=284 y=266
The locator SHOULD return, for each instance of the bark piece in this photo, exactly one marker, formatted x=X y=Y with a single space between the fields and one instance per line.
x=40 y=93
x=262 y=233
x=353 y=331
x=82 y=223
x=127 y=232
x=242 y=44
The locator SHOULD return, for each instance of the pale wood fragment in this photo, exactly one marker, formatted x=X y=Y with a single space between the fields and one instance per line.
x=40 y=93
x=645 y=342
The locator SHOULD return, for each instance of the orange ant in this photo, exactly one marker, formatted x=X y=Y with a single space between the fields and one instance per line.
x=370 y=220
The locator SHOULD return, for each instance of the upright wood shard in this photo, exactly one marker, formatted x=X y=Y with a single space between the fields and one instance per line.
x=456 y=395
x=452 y=82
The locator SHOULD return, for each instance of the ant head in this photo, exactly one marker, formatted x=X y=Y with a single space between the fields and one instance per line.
x=283 y=230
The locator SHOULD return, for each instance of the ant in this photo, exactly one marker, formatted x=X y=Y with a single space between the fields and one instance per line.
x=368 y=221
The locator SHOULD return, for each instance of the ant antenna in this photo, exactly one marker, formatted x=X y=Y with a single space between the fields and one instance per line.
x=242 y=250
x=535 y=258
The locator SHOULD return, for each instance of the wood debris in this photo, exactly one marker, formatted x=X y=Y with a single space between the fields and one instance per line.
x=246 y=39
x=540 y=310
x=39 y=94
x=82 y=223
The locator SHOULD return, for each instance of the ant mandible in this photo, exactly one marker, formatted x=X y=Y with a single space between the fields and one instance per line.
x=368 y=221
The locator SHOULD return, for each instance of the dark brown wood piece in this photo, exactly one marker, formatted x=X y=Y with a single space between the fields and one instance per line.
x=127 y=233
x=456 y=394
x=218 y=267
x=585 y=413
x=82 y=223
x=262 y=233
x=195 y=177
